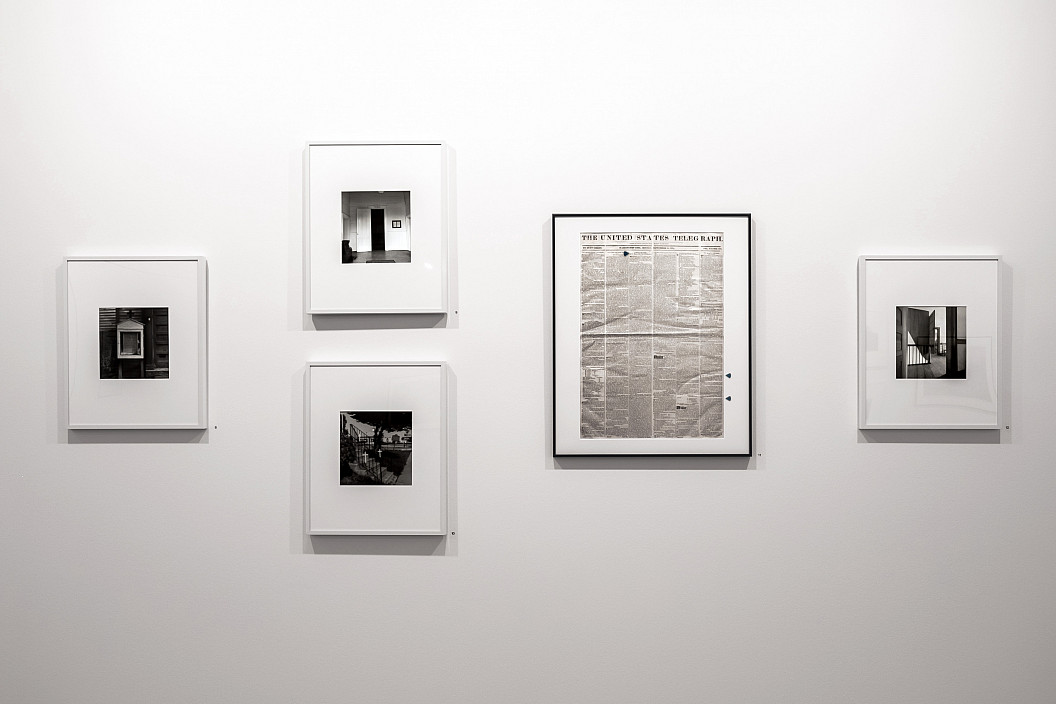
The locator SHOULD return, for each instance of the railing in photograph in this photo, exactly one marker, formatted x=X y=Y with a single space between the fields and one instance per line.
x=918 y=354
x=366 y=454
x=363 y=452
x=921 y=354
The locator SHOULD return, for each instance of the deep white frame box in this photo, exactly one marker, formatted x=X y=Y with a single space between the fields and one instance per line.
x=571 y=233
x=333 y=508
x=333 y=286
x=178 y=284
x=888 y=283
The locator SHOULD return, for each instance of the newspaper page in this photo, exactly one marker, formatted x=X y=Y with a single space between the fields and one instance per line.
x=651 y=335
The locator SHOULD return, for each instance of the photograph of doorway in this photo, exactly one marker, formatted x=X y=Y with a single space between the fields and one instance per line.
x=376 y=227
x=930 y=342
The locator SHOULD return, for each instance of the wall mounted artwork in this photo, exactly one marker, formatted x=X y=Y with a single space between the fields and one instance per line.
x=376 y=227
x=929 y=342
x=136 y=342
x=376 y=448
x=652 y=334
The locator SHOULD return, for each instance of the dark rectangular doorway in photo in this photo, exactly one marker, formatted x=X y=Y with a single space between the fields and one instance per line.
x=377 y=229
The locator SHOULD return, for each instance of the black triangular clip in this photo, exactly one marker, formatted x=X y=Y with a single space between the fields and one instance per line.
x=728 y=375
x=626 y=253
x=729 y=398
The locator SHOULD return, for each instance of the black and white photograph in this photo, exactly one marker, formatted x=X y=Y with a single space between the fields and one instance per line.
x=376 y=227
x=376 y=447
x=133 y=343
x=930 y=342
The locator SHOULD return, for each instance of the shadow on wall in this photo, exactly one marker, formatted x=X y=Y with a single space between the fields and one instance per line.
x=932 y=437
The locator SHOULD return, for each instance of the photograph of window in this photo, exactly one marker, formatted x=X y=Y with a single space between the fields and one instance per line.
x=133 y=343
x=930 y=342
x=376 y=227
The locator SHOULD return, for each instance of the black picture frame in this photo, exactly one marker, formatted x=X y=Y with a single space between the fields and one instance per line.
x=683 y=348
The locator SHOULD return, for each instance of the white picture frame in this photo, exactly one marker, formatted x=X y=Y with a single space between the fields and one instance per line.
x=712 y=404
x=159 y=379
x=370 y=477
x=376 y=228
x=929 y=342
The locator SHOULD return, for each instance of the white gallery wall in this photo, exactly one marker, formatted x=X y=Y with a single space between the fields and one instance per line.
x=834 y=566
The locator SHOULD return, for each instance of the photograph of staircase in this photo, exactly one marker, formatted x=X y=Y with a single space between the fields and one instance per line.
x=376 y=447
x=930 y=342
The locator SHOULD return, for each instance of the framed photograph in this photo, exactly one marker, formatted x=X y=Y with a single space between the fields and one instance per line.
x=652 y=335
x=375 y=228
x=136 y=342
x=376 y=444
x=943 y=316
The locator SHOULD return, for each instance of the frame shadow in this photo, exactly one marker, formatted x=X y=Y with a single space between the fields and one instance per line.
x=931 y=437
x=131 y=437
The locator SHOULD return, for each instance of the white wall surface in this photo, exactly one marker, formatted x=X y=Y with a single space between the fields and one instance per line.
x=838 y=568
